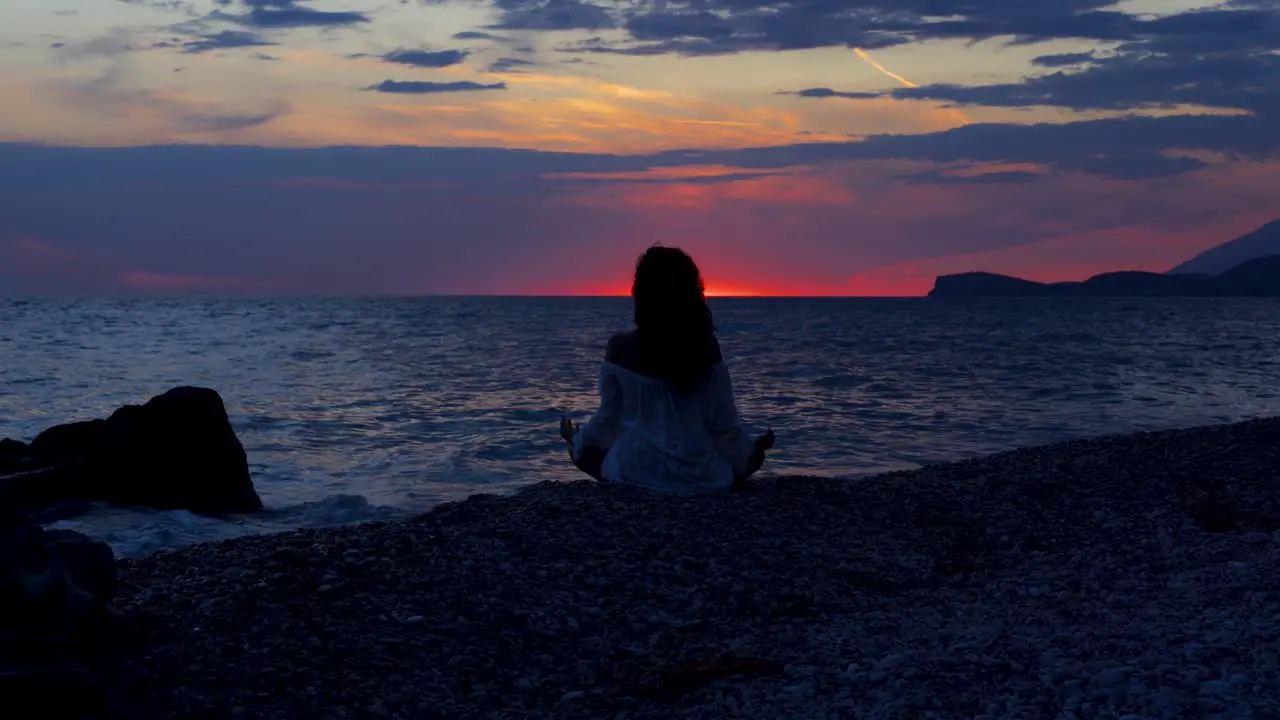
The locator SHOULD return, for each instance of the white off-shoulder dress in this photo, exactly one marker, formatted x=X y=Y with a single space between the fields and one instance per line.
x=656 y=438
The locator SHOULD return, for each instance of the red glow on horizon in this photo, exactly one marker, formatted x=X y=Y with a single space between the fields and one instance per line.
x=717 y=289
x=739 y=270
x=732 y=291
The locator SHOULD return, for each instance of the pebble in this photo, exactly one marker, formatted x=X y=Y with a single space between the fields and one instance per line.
x=1217 y=688
x=1112 y=676
x=911 y=595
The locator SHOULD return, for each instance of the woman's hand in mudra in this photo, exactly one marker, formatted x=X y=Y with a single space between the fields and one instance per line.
x=590 y=459
x=763 y=444
x=765 y=441
x=567 y=429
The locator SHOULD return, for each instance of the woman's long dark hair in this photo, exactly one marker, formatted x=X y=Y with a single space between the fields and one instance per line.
x=674 y=326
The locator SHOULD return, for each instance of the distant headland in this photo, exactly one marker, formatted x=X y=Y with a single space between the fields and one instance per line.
x=1248 y=266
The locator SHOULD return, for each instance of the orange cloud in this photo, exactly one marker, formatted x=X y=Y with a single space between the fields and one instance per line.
x=980 y=170
x=789 y=186
x=539 y=111
x=566 y=115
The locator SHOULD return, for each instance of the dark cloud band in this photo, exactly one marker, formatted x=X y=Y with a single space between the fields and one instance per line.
x=426 y=58
x=285 y=14
x=413 y=87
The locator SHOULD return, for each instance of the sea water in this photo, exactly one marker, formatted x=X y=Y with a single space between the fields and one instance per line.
x=358 y=409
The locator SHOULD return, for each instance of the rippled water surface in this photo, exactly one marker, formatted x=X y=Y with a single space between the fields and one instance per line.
x=358 y=408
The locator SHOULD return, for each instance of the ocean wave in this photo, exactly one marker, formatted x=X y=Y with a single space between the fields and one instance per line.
x=357 y=409
x=134 y=532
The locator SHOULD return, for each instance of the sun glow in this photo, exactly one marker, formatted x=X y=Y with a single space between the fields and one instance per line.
x=714 y=289
x=726 y=291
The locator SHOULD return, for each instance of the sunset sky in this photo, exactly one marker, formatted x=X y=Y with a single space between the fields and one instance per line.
x=803 y=147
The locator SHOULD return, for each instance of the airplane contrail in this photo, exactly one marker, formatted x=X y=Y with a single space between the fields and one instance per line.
x=871 y=61
x=863 y=54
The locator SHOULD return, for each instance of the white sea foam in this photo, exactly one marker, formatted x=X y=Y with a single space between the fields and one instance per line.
x=138 y=532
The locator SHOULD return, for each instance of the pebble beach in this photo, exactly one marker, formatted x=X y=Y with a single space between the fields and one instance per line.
x=1120 y=577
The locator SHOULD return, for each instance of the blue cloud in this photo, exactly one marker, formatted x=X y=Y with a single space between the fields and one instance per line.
x=426 y=58
x=477 y=35
x=1064 y=59
x=222 y=123
x=508 y=64
x=415 y=87
x=708 y=27
x=822 y=92
x=1236 y=80
x=286 y=14
x=552 y=15
x=225 y=40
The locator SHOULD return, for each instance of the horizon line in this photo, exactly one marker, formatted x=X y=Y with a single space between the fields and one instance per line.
x=376 y=296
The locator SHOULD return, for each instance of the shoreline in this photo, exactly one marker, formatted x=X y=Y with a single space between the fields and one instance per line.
x=345 y=504
x=1127 y=574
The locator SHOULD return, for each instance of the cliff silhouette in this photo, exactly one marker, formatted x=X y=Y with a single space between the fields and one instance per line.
x=1248 y=266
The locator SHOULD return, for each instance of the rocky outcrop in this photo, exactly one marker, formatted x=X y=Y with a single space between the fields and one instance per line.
x=177 y=451
x=13 y=455
x=45 y=494
x=1259 y=277
x=987 y=284
x=55 y=621
x=1130 y=283
x=1255 y=278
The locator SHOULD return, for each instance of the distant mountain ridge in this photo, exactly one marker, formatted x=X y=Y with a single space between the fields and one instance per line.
x=1259 y=277
x=1260 y=243
x=1247 y=266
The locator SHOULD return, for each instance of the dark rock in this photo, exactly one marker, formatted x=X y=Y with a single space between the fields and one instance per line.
x=59 y=510
x=177 y=451
x=13 y=456
x=22 y=552
x=1259 y=277
x=56 y=583
x=55 y=590
x=987 y=285
x=90 y=564
x=61 y=692
x=74 y=441
x=52 y=492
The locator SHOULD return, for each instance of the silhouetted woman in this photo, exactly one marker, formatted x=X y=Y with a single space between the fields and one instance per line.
x=667 y=419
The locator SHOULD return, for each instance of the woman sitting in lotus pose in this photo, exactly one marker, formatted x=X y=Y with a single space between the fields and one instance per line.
x=667 y=418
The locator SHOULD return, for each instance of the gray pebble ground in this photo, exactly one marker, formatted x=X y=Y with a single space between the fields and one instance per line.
x=1127 y=577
